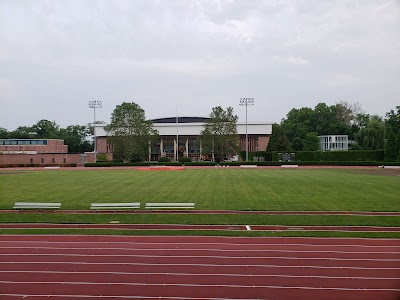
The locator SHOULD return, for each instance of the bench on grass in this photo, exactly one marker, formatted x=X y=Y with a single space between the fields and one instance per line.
x=36 y=205
x=115 y=206
x=169 y=205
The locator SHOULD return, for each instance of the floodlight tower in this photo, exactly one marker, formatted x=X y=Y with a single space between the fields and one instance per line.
x=246 y=102
x=95 y=104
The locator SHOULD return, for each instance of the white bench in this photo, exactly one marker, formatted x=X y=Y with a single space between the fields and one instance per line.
x=289 y=166
x=169 y=205
x=248 y=166
x=115 y=206
x=36 y=205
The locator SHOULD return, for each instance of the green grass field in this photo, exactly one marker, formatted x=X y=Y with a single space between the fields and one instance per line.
x=228 y=189
x=225 y=189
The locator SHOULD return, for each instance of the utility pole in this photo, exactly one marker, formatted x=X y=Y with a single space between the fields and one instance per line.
x=95 y=104
x=246 y=102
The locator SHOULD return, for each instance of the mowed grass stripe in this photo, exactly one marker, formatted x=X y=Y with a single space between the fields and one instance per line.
x=330 y=234
x=220 y=188
x=221 y=219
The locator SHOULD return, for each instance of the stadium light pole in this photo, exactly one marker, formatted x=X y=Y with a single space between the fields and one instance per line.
x=246 y=102
x=95 y=104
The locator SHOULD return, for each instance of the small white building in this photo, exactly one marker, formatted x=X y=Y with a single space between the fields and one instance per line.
x=334 y=142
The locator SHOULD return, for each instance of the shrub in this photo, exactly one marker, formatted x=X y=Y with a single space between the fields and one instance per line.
x=355 y=155
x=164 y=159
x=185 y=159
x=201 y=163
x=101 y=157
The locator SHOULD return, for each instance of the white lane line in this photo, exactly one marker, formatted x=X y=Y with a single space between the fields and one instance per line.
x=224 y=244
x=196 y=265
x=201 y=256
x=203 y=249
x=113 y=297
x=199 y=285
x=248 y=227
x=202 y=274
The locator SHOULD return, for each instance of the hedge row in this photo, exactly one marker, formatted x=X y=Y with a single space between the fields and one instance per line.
x=263 y=163
x=121 y=164
x=253 y=154
x=209 y=163
x=339 y=156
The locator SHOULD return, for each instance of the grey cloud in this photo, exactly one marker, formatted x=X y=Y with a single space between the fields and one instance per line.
x=57 y=55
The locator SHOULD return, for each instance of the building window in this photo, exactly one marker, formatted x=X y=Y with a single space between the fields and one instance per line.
x=64 y=160
x=53 y=160
x=42 y=160
x=31 y=160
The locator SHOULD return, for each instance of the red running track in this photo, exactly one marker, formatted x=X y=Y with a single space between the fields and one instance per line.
x=132 y=267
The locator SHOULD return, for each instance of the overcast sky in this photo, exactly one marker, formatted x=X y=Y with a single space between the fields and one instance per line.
x=55 y=56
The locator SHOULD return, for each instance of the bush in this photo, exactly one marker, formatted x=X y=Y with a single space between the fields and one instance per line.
x=201 y=163
x=101 y=157
x=253 y=154
x=356 y=155
x=329 y=156
x=164 y=159
x=185 y=159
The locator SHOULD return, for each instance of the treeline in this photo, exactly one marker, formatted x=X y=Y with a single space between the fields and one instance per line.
x=77 y=137
x=300 y=129
x=130 y=132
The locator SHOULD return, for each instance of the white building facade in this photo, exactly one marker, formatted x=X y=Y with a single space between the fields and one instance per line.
x=334 y=142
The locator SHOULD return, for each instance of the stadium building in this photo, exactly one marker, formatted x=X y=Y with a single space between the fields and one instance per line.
x=181 y=138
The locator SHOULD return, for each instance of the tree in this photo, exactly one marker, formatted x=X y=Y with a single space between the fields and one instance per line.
x=347 y=112
x=392 y=123
x=311 y=142
x=372 y=136
x=322 y=120
x=46 y=129
x=278 y=141
x=22 y=132
x=219 y=136
x=76 y=137
x=130 y=132
x=4 y=134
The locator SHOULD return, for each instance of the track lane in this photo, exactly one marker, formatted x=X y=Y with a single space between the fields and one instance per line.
x=228 y=270
x=210 y=279
x=209 y=291
x=177 y=252
x=97 y=268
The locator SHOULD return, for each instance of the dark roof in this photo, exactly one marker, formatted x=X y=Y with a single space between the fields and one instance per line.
x=181 y=120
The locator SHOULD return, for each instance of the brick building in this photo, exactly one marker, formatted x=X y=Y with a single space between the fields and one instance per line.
x=39 y=152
